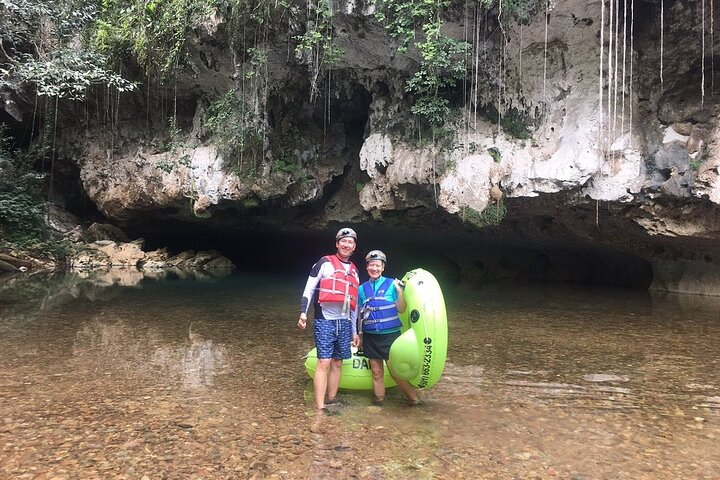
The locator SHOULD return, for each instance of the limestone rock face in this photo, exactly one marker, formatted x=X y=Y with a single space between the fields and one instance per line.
x=612 y=144
x=553 y=129
x=683 y=276
x=109 y=255
x=106 y=231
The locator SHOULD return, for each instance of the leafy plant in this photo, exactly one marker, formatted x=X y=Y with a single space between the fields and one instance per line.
x=258 y=59
x=36 y=41
x=495 y=154
x=286 y=163
x=154 y=31
x=492 y=215
x=235 y=128
x=316 y=45
x=442 y=58
x=67 y=74
x=443 y=64
x=23 y=21
x=402 y=18
x=520 y=10
x=173 y=131
x=516 y=124
x=21 y=213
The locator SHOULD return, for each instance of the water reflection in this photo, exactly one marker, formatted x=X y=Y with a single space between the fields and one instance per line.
x=116 y=348
x=196 y=362
x=118 y=377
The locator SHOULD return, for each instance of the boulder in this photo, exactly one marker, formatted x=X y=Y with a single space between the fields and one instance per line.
x=221 y=262
x=106 y=231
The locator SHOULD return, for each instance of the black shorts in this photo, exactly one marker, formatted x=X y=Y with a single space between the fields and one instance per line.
x=377 y=346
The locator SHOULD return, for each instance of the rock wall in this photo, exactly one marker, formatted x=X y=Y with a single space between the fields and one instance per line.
x=636 y=154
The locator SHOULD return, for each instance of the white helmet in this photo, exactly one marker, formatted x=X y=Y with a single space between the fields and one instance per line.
x=345 y=232
x=375 y=255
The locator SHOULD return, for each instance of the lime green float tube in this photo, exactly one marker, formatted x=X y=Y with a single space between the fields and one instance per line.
x=419 y=354
x=356 y=373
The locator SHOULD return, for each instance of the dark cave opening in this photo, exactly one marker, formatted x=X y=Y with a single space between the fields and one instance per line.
x=450 y=256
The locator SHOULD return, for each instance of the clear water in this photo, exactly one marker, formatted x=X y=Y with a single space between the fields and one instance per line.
x=124 y=377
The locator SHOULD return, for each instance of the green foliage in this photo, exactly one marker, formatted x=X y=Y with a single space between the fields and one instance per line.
x=36 y=37
x=514 y=122
x=259 y=13
x=517 y=124
x=441 y=69
x=403 y=17
x=165 y=165
x=442 y=58
x=696 y=162
x=235 y=127
x=286 y=163
x=172 y=143
x=316 y=46
x=705 y=153
x=68 y=74
x=154 y=31
x=521 y=10
x=492 y=215
x=258 y=59
x=20 y=191
x=251 y=202
x=442 y=64
x=21 y=21
x=21 y=214
x=317 y=39
x=495 y=154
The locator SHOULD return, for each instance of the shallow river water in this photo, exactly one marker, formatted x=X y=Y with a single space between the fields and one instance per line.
x=203 y=378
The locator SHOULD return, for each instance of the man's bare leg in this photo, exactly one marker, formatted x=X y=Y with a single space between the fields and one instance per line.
x=320 y=381
x=334 y=378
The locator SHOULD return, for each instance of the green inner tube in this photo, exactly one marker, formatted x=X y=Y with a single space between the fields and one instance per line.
x=419 y=354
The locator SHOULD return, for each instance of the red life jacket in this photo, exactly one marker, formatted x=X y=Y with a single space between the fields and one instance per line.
x=341 y=287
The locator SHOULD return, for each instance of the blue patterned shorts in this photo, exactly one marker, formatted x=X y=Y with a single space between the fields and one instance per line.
x=333 y=338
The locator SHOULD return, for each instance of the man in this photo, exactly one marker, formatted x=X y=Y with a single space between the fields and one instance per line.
x=332 y=287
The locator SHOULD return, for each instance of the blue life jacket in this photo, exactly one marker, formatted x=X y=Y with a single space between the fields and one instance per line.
x=379 y=313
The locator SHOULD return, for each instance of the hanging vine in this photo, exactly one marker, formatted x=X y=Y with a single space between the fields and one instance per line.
x=316 y=46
